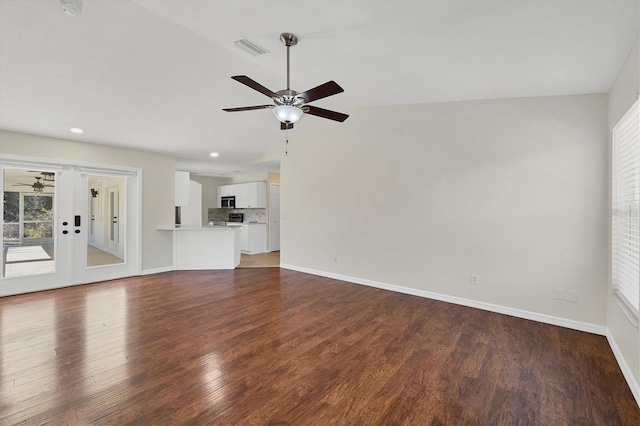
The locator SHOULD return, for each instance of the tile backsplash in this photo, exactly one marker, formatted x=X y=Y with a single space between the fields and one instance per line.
x=250 y=215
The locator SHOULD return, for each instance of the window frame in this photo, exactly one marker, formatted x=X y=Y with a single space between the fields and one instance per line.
x=625 y=205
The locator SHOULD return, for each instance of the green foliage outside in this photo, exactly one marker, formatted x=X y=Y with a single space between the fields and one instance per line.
x=37 y=216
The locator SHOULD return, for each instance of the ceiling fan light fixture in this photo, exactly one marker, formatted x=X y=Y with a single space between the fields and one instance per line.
x=287 y=113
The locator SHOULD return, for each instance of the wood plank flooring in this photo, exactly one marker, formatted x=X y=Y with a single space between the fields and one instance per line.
x=277 y=347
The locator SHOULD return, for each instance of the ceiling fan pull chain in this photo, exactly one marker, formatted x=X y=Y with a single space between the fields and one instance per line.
x=286 y=145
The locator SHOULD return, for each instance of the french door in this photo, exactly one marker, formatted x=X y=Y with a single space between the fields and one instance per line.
x=65 y=225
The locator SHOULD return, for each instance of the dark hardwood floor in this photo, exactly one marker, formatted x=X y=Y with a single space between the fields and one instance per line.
x=277 y=347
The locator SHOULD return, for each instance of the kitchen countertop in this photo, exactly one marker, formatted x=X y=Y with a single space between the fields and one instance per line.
x=195 y=228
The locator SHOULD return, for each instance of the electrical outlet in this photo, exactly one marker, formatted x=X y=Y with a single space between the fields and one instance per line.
x=565 y=295
x=474 y=279
x=558 y=293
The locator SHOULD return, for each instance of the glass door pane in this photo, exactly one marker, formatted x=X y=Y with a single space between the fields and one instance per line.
x=28 y=242
x=105 y=211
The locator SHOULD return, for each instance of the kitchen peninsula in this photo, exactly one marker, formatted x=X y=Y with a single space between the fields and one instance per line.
x=205 y=247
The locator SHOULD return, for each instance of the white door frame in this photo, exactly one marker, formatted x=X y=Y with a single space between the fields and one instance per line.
x=271 y=231
x=74 y=271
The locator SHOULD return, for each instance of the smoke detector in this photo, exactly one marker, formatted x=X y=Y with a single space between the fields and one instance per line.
x=71 y=7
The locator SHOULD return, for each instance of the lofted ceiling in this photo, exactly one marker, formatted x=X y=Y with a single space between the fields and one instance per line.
x=154 y=75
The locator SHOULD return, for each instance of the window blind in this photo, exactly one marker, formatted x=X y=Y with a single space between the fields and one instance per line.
x=625 y=262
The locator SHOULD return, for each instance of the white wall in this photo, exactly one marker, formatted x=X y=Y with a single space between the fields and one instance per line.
x=157 y=183
x=421 y=196
x=626 y=337
x=249 y=177
x=209 y=193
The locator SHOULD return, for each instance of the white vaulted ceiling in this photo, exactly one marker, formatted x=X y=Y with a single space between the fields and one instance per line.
x=155 y=75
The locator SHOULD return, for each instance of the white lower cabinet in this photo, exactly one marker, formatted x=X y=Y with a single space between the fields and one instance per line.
x=253 y=238
x=244 y=237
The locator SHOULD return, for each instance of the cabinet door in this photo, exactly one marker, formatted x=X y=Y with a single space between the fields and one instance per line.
x=256 y=195
x=261 y=195
x=244 y=238
x=240 y=192
x=251 y=195
x=225 y=191
x=257 y=238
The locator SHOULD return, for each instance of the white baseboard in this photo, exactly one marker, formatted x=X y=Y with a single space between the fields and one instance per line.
x=157 y=270
x=626 y=371
x=518 y=313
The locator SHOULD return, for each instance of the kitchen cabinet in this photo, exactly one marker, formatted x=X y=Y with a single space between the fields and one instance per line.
x=252 y=195
x=253 y=238
x=226 y=191
x=255 y=194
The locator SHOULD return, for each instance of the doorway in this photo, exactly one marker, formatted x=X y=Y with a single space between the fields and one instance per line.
x=66 y=225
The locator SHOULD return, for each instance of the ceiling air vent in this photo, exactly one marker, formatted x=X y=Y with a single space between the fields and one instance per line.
x=250 y=47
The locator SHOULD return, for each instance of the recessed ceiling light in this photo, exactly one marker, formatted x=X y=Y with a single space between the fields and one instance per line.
x=214 y=154
x=71 y=7
x=76 y=130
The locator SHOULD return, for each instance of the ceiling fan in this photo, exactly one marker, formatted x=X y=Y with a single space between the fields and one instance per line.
x=37 y=185
x=289 y=105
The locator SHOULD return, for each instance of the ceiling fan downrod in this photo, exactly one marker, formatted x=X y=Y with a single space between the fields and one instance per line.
x=289 y=40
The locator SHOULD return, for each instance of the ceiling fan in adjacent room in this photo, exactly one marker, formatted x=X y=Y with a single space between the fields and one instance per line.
x=289 y=105
x=37 y=185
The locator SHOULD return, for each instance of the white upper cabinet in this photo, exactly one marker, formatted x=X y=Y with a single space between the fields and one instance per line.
x=226 y=191
x=252 y=195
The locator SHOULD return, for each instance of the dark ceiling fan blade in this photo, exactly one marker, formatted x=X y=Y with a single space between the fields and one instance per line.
x=249 y=108
x=286 y=126
x=254 y=85
x=327 y=89
x=22 y=184
x=325 y=113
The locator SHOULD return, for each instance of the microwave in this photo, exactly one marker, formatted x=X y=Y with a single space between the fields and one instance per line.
x=228 y=202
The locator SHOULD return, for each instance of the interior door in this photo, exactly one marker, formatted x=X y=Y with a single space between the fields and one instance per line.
x=47 y=241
